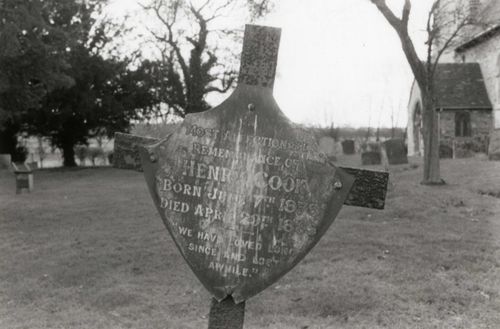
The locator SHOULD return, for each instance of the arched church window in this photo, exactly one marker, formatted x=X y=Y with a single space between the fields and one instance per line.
x=462 y=124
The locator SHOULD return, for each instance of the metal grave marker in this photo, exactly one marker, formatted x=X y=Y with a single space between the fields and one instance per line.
x=245 y=193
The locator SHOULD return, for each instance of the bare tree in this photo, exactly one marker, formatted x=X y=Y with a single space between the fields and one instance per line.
x=196 y=56
x=447 y=24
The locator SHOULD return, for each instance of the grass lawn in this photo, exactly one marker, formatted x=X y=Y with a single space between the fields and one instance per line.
x=87 y=249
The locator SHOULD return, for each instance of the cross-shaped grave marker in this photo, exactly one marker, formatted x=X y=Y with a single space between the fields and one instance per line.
x=243 y=191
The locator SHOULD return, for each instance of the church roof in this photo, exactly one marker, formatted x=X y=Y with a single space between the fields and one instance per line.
x=460 y=86
x=477 y=39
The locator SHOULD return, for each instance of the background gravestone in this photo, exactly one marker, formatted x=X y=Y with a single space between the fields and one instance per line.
x=395 y=151
x=5 y=160
x=494 y=146
x=24 y=177
x=348 y=146
x=371 y=154
x=445 y=151
x=328 y=146
x=126 y=152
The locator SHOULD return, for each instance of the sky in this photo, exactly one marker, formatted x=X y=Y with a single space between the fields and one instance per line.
x=339 y=61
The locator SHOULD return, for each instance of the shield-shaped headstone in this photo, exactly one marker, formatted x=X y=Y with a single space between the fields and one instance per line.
x=243 y=191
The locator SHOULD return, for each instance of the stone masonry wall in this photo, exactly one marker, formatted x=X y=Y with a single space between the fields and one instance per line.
x=481 y=125
x=487 y=54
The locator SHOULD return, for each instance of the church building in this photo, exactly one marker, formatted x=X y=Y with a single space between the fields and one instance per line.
x=467 y=81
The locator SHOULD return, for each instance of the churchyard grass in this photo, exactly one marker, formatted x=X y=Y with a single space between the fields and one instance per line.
x=87 y=249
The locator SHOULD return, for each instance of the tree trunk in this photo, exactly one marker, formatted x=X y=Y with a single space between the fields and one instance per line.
x=431 y=143
x=68 y=154
x=8 y=141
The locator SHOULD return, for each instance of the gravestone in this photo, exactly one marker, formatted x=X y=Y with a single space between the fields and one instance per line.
x=5 y=161
x=328 y=147
x=348 y=146
x=126 y=151
x=445 y=151
x=494 y=145
x=371 y=153
x=24 y=177
x=244 y=193
x=394 y=150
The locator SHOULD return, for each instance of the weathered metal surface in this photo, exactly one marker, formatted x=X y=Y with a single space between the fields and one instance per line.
x=226 y=314
x=126 y=153
x=364 y=192
x=244 y=193
x=260 y=56
x=369 y=189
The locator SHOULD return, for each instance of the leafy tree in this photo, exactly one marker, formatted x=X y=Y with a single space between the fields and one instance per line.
x=30 y=65
x=447 y=23
x=106 y=93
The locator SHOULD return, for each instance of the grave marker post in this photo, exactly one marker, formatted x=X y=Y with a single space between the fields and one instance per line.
x=24 y=177
x=244 y=192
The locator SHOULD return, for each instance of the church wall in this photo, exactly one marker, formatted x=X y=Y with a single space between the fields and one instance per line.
x=487 y=54
x=414 y=146
x=481 y=124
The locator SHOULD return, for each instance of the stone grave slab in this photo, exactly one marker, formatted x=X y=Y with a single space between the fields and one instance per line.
x=348 y=146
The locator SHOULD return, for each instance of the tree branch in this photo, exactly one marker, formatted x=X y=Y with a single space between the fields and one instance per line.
x=401 y=28
x=388 y=14
x=405 y=17
x=447 y=43
x=170 y=39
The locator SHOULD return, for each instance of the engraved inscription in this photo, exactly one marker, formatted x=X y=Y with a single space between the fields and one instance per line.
x=244 y=201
